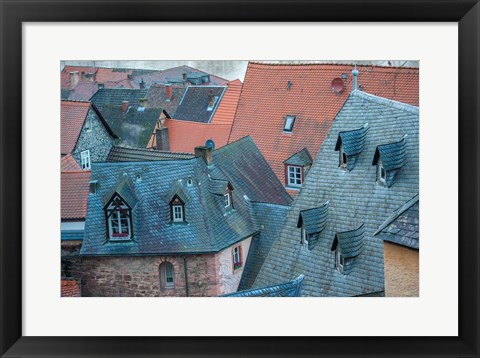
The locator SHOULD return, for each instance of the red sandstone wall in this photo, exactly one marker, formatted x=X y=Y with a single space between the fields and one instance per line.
x=140 y=276
x=401 y=271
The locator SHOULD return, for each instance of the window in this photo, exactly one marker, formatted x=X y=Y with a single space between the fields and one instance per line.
x=304 y=239
x=212 y=102
x=339 y=260
x=237 y=257
x=167 y=275
x=119 y=220
x=289 y=121
x=88 y=124
x=85 y=159
x=383 y=174
x=228 y=202
x=177 y=213
x=294 y=176
x=177 y=210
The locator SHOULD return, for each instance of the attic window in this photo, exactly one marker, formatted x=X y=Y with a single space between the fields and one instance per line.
x=339 y=259
x=93 y=187
x=389 y=159
x=177 y=210
x=85 y=160
x=228 y=196
x=343 y=159
x=119 y=220
x=350 y=145
x=289 y=121
x=211 y=103
x=294 y=176
x=312 y=222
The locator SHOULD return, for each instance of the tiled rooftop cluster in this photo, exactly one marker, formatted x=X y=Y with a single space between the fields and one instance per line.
x=271 y=92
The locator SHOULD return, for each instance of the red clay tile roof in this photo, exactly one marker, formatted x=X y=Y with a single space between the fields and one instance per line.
x=70 y=288
x=65 y=74
x=184 y=136
x=72 y=117
x=83 y=91
x=74 y=193
x=110 y=76
x=265 y=101
x=69 y=164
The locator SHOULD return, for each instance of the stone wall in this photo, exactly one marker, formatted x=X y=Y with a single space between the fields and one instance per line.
x=97 y=140
x=139 y=276
x=401 y=271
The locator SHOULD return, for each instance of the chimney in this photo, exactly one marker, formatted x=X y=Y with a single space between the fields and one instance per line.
x=83 y=76
x=74 y=77
x=205 y=153
x=168 y=92
x=162 y=139
x=100 y=85
x=355 y=75
x=125 y=106
x=142 y=84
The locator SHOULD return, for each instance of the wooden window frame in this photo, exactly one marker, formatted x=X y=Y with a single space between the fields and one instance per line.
x=237 y=264
x=85 y=158
x=295 y=169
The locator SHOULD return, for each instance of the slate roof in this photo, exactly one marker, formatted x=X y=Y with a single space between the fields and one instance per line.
x=267 y=219
x=115 y=96
x=302 y=158
x=74 y=193
x=288 y=289
x=354 y=198
x=184 y=136
x=133 y=127
x=266 y=101
x=195 y=103
x=157 y=97
x=209 y=227
x=171 y=75
x=402 y=226
x=127 y=154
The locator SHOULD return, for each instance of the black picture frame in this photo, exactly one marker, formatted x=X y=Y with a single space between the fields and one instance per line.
x=13 y=13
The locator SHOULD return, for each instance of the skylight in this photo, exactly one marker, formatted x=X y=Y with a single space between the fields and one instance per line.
x=289 y=121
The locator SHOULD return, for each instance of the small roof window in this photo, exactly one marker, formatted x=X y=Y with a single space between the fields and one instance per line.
x=289 y=121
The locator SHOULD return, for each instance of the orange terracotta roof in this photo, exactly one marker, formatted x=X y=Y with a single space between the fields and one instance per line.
x=72 y=116
x=184 y=136
x=74 y=193
x=105 y=75
x=70 y=288
x=265 y=101
x=225 y=112
x=69 y=164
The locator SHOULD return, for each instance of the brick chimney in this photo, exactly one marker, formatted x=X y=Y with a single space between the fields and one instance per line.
x=74 y=77
x=162 y=139
x=205 y=153
x=168 y=92
x=125 y=106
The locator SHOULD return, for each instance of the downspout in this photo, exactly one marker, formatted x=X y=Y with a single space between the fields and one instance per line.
x=186 y=277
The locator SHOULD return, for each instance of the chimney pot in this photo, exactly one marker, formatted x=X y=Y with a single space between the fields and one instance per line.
x=74 y=77
x=125 y=106
x=168 y=92
x=162 y=139
x=205 y=153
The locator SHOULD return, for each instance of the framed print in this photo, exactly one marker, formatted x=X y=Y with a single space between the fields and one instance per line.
x=123 y=313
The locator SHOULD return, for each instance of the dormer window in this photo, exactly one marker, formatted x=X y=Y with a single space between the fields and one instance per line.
x=296 y=168
x=349 y=146
x=228 y=196
x=339 y=260
x=347 y=245
x=119 y=219
x=289 y=122
x=177 y=210
x=311 y=223
x=212 y=102
x=389 y=159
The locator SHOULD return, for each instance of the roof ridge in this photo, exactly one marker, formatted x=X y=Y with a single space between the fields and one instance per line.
x=333 y=63
x=386 y=102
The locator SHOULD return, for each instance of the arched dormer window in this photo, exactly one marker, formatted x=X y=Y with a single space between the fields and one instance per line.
x=119 y=219
x=177 y=210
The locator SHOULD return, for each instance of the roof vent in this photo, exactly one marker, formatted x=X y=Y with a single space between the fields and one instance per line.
x=289 y=85
x=355 y=75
